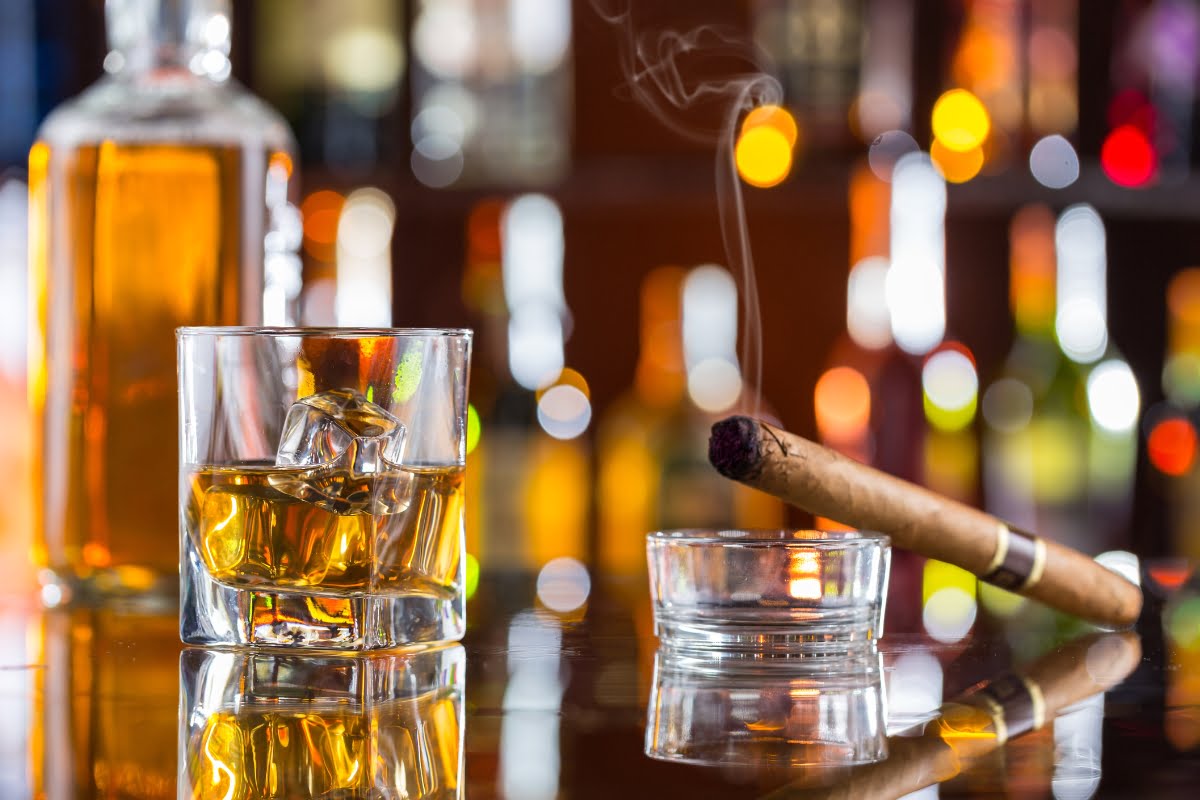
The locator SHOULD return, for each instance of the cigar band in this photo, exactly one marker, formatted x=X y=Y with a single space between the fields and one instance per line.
x=1015 y=704
x=1018 y=562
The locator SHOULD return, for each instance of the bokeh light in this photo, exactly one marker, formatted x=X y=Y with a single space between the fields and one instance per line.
x=714 y=384
x=868 y=321
x=1171 y=446
x=763 y=156
x=1054 y=162
x=321 y=210
x=535 y=346
x=1008 y=405
x=951 y=388
x=471 y=581
x=364 y=260
x=948 y=598
x=1113 y=396
x=474 y=428
x=949 y=614
x=1183 y=623
x=1081 y=322
x=956 y=166
x=776 y=117
x=960 y=120
x=563 y=585
x=887 y=149
x=842 y=404
x=445 y=38
x=540 y=33
x=1128 y=157
x=710 y=317
x=915 y=282
x=564 y=411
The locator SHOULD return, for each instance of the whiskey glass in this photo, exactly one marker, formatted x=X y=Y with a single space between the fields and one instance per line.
x=321 y=486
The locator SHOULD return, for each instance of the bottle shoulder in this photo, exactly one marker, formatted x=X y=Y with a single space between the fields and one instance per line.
x=182 y=110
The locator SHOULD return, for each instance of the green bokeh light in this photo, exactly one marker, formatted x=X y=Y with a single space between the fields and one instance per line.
x=472 y=582
x=1183 y=624
x=474 y=428
x=408 y=376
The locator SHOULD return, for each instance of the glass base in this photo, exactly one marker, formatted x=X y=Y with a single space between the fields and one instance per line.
x=845 y=634
x=215 y=614
x=133 y=587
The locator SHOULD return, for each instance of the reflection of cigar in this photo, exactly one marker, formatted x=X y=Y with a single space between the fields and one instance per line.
x=823 y=482
x=984 y=718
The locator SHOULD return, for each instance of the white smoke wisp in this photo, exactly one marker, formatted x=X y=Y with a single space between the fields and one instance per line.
x=657 y=80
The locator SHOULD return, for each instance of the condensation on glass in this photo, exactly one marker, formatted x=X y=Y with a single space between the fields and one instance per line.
x=158 y=198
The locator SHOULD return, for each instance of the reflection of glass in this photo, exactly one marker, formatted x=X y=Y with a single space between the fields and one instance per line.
x=321 y=486
x=105 y=705
x=707 y=709
x=769 y=591
x=271 y=725
x=158 y=198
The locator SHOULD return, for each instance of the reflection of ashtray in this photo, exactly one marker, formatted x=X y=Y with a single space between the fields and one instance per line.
x=741 y=709
x=772 y=591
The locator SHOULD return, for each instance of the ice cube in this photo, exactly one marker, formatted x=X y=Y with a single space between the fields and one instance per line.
x=343 y=453
x=330 y=426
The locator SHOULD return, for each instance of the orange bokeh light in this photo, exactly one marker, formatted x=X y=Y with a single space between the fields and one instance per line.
x=321 y=211
x=775 y=117
x=1171 y=446
x=842 y=402
x=956 y=166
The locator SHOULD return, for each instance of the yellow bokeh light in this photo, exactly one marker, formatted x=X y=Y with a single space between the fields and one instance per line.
x=763 y=156
x=956 y=166
x=960 y=121
x=776 y=117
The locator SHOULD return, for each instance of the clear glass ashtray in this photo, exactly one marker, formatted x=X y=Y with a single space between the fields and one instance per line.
x=800 y=592
x=766 y=712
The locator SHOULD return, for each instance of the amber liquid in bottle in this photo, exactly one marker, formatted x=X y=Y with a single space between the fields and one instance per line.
x=128 y=242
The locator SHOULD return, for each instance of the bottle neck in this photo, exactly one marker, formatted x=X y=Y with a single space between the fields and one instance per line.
x=155 y=37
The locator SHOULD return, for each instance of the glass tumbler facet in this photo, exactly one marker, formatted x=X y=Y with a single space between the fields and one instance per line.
x=321 y=486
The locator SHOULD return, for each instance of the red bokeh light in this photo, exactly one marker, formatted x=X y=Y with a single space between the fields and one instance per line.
x=1128 y=157
x=1131 y=107
x=1171 y=446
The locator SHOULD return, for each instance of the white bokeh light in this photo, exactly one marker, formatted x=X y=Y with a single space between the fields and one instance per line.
x=868 y=320
x=1081 y=322
x=533 y=248
x=540 y=33
x=916 y=281
x=1113 y=397
x=887 y=149
x=710 y=317
x=1054 y=162
x=563 y=585
x=949 y=380
x=564 y=411
x=364 y=260
x=535 y=346
x=949 y=614
x=445 y=38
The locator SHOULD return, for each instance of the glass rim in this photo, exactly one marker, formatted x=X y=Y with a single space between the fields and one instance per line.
x=769 y=537
x=322 y=331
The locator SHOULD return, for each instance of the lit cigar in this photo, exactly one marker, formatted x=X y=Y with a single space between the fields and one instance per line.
x=823 y=482
x=983 y=719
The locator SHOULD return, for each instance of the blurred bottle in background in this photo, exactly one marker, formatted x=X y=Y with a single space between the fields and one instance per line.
x=1171 y=436
x=158 y=198
x=1061 y=419
x=1035 y=439
x=652 y=442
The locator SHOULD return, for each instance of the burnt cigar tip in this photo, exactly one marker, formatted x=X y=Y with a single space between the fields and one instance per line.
x=733 y=448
